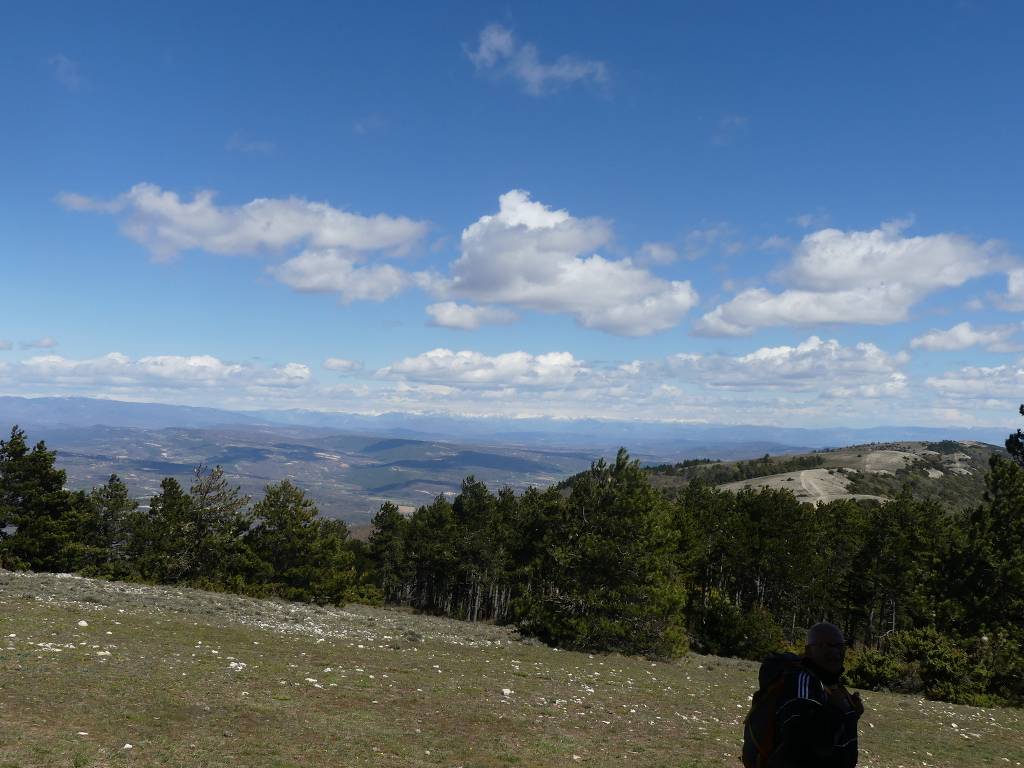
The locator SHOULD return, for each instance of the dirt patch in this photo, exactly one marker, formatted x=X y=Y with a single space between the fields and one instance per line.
x=888 y=460
x=810 y=485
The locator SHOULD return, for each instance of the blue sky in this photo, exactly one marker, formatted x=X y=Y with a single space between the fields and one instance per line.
x=797 y=214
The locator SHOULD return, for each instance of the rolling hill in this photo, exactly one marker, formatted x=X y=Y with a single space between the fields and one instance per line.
x=949 y=471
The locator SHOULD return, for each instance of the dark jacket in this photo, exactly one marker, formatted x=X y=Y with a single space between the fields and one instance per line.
x=816 y=723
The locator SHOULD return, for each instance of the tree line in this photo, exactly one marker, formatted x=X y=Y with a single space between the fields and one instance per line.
x=932 y=598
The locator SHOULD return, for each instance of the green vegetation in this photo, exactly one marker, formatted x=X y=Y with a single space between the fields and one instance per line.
x=191 y=678
x=719 y=473
x=606 y=563
x=935 y=475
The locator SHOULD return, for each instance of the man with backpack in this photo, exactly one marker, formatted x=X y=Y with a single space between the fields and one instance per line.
x=802 y=716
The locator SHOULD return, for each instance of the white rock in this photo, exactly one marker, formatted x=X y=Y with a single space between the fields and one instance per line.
x=83 y=623
x=507 y=691
x=127 y=746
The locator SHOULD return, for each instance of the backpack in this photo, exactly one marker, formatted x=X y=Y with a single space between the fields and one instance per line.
x=759 y=726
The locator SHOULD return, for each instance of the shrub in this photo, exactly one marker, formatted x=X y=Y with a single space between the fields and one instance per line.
x=872 y=669
x=760 y=635
x=920 y=661
x=717 y=625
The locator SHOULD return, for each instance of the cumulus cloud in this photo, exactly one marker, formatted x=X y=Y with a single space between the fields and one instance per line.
x=341 y=365
x=533 y=257
x=336 y=271
x=813 y=364
x=500 y=52
x=964 y=335
x=444 y=366
x=981 y=382
x=448 y=314
x=871 y=277
x=46 y=342
x=657 y=253
x=1014 y=298
x=166 y=224
x=119 y=370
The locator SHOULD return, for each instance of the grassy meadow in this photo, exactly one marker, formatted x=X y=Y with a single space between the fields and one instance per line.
x=96 y=673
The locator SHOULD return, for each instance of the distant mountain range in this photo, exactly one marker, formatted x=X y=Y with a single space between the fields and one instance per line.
x=350 y=463
x=655 y=437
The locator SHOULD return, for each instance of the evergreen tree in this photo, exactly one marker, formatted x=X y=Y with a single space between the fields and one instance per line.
x=48 y=521
x=112 y=510
x=991 y=558
x=215 y=552
x=614 y=584
x=387 y=546
x=432 y=555
x=475 y=512
x=157 y=537
x=297 y=555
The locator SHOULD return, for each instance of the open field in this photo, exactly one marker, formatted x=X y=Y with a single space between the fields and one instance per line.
x=192 y=678
x=810 y=485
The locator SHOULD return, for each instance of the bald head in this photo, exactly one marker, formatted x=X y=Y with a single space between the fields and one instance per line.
x=826 y=647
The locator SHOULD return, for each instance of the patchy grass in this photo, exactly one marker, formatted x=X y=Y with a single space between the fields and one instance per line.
x=192 y=678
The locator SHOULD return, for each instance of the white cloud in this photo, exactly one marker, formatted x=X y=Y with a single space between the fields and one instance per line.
x=335 y=271
x=443 y=366
x=448 y=314
x=1014 y=298
x=532 y=257
x=119 y=370
x=657 y=253
x=981 y=382
x=812 y=364
x=964 y=335
x=500 y=52
x=870 y=277
x=46 y=342
x=341 y=365
x=166 y=225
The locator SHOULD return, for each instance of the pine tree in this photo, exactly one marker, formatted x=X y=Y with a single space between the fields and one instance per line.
x=214 y=549
x=387 y=546
x=613 y=585
x=157 y=541
x=298 y=555
x=111 y=509
x=48 y=520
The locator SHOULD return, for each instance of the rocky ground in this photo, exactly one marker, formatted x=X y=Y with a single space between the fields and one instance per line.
x=96 y=673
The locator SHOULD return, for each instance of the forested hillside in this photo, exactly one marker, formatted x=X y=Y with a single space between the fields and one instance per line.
x=948 y=471
x=932 y=597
